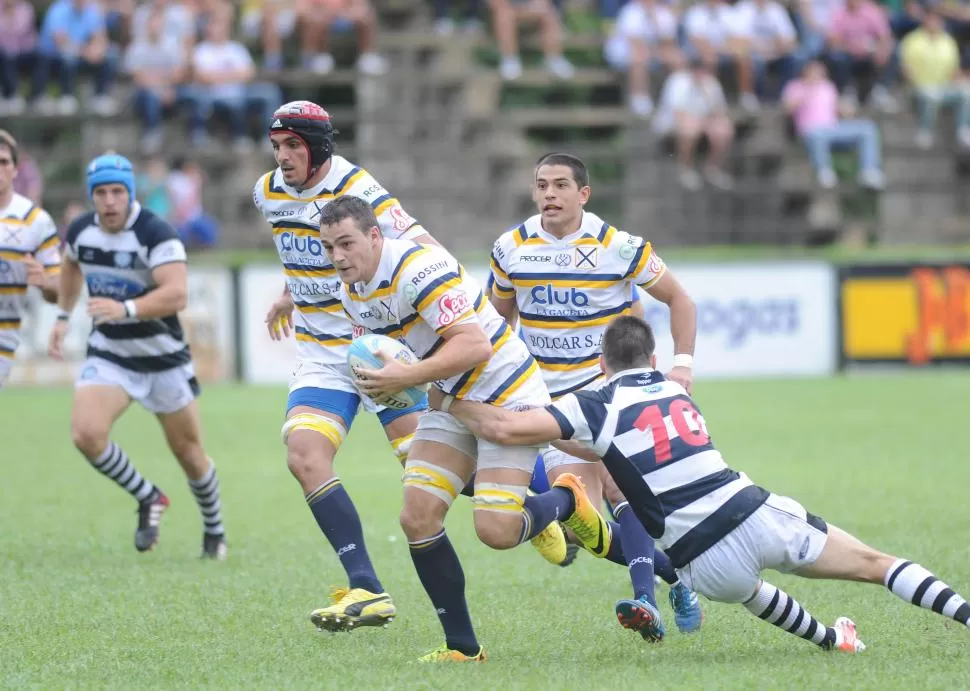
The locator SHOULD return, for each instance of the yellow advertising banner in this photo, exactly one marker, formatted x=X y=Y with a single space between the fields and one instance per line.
x=911 y=314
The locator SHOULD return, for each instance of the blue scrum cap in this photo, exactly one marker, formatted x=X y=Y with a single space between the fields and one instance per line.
x=111 y=168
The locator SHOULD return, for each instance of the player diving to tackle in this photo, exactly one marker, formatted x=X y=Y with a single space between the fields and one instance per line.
x=323 y=399
x=567 y=273
x=134 y=266
x=718 y=528
x=424 y=298
x=29 y=254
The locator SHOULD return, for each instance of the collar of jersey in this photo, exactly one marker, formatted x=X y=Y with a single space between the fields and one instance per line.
x=310 y=192
x=655 y=375
x=578 y=234
x=132 y=216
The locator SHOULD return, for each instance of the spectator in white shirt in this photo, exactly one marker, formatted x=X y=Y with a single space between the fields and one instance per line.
x=224 y=72
x=643 y=39
x=507 y=15
x=814 y=18
x=692 y=105
x=713 y=36
x=772 y=39
x=178 y=21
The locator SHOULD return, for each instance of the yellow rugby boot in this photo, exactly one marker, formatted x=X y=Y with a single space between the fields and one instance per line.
x=552 y=545
x=353 y=608
x=445 y=654
x=586 y=522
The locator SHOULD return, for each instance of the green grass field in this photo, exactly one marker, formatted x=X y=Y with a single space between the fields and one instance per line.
x=881 y=456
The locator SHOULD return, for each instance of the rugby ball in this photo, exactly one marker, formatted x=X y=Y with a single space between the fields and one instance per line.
x=363 y=353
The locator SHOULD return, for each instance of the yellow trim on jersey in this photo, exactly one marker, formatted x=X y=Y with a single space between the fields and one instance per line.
x=500 y=292
x=493 y=265
x=12 y=290
x=384 y=206
x=560 y=283
x=608 y=236
x=306 y=273
x=533 y=241
x=335 y=308
x=644 y=258
x=477 y=372
x=569 y=367
x=283 y=196
x=649 y=284
x=437 y=292
x=12 y=256
x=353 y=180
x=11 y=221
x=395 y=278
x=570 y=323
x=5 y=354
x=517 y=384
x=52 y=241
x=52 y=269
x=307 y=338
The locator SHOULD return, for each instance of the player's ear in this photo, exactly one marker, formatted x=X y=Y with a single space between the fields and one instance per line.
x=584 y=193
x=602 y=364
x=653 y=361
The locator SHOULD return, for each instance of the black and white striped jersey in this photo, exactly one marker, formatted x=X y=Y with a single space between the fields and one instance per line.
x=654 y=442
x=119 y=266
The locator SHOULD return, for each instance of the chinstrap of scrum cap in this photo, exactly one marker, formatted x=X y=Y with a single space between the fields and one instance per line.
x=311 y=124
x=110 y=169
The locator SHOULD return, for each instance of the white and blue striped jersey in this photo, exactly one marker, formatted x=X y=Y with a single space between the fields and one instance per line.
x=568 y=290
x=654 y=442
x=323 y=332
x=420 y=292
x=24 y=229
x=119 y=266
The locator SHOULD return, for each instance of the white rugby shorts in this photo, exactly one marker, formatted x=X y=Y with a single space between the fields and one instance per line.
x=781 y=535
x=308 y=373
x=157 y=392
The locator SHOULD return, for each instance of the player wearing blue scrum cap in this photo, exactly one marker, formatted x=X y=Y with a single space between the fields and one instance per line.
x=134 y=266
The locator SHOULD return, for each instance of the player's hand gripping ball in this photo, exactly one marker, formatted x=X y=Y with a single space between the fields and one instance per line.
x=363 y=354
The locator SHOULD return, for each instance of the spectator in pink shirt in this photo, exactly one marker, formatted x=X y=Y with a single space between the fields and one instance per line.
x=18 y=35
x=813 y=103
x=860 y=41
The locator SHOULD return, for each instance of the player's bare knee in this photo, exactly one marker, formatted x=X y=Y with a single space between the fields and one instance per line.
x=418 y=524
x=308 y=464
x=90 y=440
x=496 y=531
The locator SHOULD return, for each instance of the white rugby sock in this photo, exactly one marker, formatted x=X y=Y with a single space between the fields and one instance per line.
x=113 y=463
x=914 y=584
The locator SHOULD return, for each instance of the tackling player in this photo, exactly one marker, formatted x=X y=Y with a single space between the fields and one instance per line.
x=134 y=266
x=29 y=254
x=567 y=273
x=423 y=297
x=323 y=399
x=719 y=529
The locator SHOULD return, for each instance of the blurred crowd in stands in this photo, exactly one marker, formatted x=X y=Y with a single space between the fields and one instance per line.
x=818 y=59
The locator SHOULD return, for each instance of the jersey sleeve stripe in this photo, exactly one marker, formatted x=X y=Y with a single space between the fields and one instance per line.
x=520 y=235
x=514 y=382
x=606 y=234
x=639 y=261
x=13 y=289
x=407 y=258
x=565 y=427
x=10 y=323
x=51 y=241
x=653 y=280
x=504 y=293
x=566 y=279
x=303 y=334
x=497 y=268
x=349 y=179
x=433 y=290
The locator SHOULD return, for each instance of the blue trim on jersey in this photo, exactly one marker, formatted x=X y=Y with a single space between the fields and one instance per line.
x=389 y=415
x=495 y=337
x=565 y=426
x=635 y=260
x=549 y=360
x=577 y=387
x=634 y=294
x=577 y=318
x=307 y=267
x=342 y=403
x=428 y=289
x=320 y=336
x=380 y=200
x=598 y=278
x=323 y=303
x=519 y=371
x=295 y=225
x=343 y=183
x=603 y=230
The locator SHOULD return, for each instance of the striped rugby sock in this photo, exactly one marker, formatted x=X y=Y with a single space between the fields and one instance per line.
x=206 y=493
x=113 y=463
x=777 y=607
x=914 y=584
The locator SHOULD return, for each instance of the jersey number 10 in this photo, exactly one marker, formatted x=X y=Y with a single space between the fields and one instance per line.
x=652 y=418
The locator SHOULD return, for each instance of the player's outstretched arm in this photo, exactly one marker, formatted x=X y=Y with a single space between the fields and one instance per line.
x=506 y=427
x=69 y=290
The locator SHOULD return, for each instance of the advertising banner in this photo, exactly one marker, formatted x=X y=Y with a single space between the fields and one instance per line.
x=908 y=314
